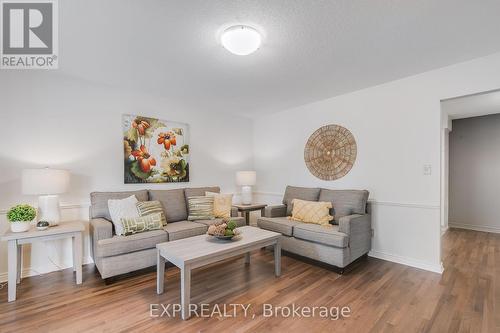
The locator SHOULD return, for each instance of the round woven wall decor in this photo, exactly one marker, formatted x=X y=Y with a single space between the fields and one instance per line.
x=330 y=152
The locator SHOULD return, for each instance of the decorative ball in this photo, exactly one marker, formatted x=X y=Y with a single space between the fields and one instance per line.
x=42 y=225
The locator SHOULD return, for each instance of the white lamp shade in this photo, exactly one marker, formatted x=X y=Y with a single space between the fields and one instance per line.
x=246 y=178
x=45 y=181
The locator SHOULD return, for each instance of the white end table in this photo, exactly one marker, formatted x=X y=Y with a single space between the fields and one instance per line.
x=17 y=239
x=246 y=209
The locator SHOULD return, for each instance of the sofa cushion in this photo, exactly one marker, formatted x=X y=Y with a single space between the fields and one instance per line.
x=327 y=235
x=173 y=203
x=240 y=221
x=99 y=201
x=199 y=191
x=124 y=244
x=184 y=229
x=278 y=224
x=345 y=202
x=302 y=193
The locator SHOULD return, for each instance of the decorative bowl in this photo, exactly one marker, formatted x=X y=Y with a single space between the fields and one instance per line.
x=225 y=237
x=225 y=230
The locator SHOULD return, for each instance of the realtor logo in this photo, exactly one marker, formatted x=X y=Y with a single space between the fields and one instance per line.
x=29 y=34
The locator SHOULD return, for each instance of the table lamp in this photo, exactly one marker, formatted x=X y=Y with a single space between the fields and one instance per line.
x=246 y=179
x=47 y=184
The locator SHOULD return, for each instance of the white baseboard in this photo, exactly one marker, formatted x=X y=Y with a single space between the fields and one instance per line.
x=483 y=228
x=407 y=261
x=444 y=230
x=28 y=271
x=375 y=254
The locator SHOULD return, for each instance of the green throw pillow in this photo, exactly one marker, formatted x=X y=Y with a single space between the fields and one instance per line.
x=151 y=207
x=133 y=225
x=201 y=208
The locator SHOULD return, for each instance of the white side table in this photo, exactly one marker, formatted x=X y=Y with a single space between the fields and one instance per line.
x=17 y=239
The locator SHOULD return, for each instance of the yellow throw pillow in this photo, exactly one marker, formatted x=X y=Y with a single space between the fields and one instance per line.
x=222 y=204
x=311 y=212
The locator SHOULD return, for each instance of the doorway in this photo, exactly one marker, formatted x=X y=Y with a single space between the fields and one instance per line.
x=470 y=162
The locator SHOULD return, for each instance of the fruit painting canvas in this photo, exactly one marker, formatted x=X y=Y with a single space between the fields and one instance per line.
x=155 y=151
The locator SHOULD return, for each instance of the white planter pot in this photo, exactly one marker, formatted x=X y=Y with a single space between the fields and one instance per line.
x=19 y=226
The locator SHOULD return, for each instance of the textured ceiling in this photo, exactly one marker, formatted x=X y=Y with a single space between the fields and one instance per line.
x=311 y=50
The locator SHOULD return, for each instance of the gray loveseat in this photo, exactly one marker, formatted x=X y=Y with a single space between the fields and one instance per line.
x=346 y=240
x=114 y=255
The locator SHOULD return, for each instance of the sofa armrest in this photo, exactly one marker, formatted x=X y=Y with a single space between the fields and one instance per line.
x=356 y=223
x=101 y=229
x=358 y=227
x=234 y=212
x=275 y=211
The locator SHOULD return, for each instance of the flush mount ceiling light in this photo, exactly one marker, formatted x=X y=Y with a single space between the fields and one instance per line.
x=241 y=39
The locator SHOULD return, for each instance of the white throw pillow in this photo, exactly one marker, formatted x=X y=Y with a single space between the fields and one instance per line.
x=122 y=208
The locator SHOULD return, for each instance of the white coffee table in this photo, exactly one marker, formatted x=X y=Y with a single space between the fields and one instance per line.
x=193 y=252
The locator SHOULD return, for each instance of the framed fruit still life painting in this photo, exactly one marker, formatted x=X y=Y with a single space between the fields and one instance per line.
x=155 y=150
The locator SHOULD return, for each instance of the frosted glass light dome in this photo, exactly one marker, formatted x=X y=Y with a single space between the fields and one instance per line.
x=241 y=39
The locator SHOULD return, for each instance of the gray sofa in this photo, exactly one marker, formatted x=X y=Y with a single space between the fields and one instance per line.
x=115 y=255
x=346 y=240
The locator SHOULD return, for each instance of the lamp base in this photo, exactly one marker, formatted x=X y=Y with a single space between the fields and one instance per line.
x=48 y=209
x=246 y=195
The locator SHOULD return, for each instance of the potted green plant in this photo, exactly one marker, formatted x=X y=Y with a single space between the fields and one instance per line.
x=20 y=217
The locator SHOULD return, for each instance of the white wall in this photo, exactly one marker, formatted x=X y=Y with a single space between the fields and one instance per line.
x=398 y=130
x=49 y=119
x=475 y=173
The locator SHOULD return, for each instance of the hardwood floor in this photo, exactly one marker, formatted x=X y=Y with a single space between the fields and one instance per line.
x=382 y=296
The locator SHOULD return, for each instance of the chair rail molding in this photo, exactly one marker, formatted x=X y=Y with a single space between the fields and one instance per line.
x=64 y=206
x=371 y=201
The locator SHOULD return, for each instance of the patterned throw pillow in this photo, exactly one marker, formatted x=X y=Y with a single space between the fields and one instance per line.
x=201 y=208
x=222 y=204
x=135 y=225
x=151 y=207
x=311 y=212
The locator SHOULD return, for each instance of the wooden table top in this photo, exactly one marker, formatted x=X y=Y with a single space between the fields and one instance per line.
x=254 y=206
x=197 y=247
x=61 y=228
